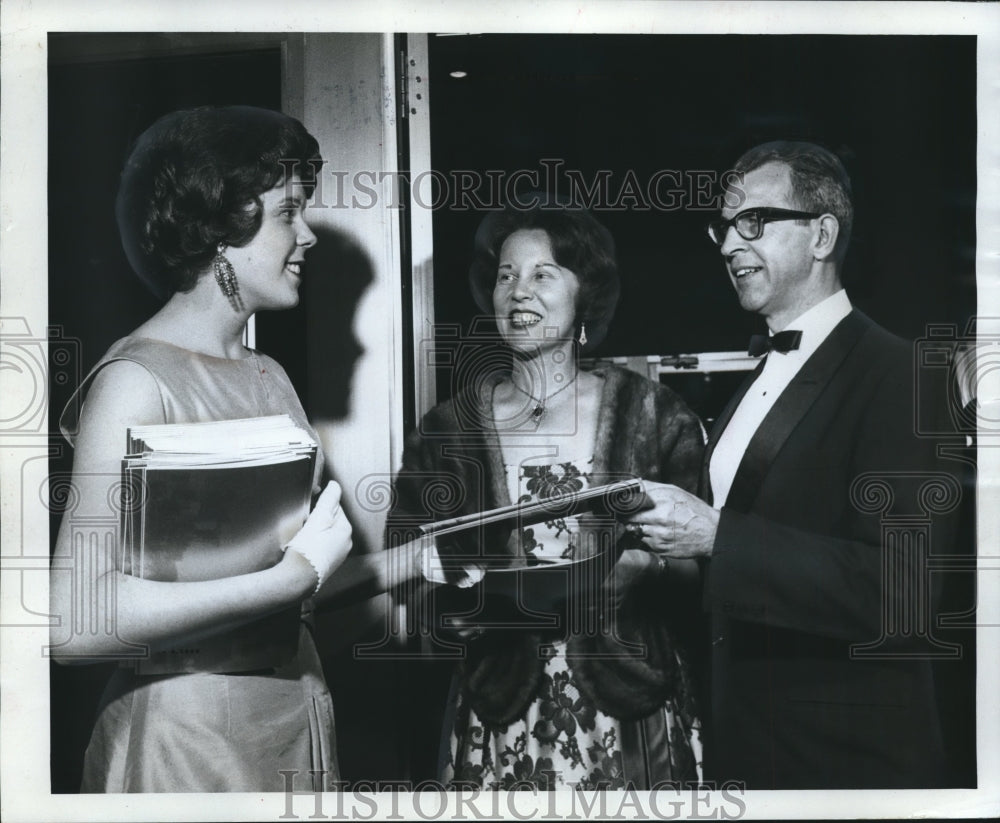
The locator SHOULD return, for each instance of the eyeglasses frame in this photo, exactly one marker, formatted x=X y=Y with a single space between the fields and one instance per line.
x=765 y=215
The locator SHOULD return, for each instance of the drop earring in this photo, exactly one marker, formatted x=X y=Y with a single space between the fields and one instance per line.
x=583 y=333
x=226 y=277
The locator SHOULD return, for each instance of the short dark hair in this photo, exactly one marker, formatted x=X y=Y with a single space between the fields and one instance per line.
x=579 y=243
x=194 y=179
x=819 y=180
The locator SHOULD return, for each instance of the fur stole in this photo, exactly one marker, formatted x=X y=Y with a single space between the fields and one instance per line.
x=629 y=667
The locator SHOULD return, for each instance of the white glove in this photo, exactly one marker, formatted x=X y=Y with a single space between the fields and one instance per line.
x=325 y=538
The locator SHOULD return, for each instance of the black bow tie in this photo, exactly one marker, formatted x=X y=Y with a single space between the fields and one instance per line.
x=783 y=341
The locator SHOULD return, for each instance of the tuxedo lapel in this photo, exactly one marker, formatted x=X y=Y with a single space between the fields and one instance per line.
x=791 y=407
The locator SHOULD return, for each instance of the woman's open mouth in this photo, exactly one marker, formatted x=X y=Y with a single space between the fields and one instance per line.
x=523 y=319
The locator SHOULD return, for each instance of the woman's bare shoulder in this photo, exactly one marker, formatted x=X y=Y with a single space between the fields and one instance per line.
x=122 y=394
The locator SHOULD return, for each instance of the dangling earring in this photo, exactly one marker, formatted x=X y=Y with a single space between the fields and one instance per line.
x=583 y=333
x=226 y=277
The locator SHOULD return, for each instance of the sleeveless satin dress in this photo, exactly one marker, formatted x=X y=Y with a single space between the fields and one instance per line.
x=256 y=731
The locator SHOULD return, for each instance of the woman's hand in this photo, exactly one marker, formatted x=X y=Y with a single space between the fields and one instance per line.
x=324 y=541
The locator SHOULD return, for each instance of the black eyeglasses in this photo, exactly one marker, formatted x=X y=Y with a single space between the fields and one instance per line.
x=750 y=223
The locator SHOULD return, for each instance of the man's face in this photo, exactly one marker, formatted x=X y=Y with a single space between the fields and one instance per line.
x=771 y=274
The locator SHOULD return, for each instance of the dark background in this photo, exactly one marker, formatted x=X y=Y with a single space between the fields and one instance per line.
x=900 y=111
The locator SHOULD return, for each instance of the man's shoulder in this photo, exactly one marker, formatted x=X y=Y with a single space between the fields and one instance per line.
x=872 y=368
x=879 y=343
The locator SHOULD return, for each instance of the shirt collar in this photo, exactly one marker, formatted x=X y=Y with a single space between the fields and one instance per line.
x=817 y=323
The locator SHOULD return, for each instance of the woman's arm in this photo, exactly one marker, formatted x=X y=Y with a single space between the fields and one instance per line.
x=97 y=607
x=367 y=575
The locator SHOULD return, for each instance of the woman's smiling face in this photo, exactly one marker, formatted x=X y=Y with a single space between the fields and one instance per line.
x=269 y=267
x=534 y=298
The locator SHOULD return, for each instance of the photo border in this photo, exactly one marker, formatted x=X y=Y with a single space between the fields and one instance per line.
x=24 y=739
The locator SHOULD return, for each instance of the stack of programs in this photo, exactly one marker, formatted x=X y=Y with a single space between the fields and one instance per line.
x=212 y=500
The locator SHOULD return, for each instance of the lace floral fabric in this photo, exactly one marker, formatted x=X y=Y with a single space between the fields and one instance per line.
x=563 y=740
x=553 y=539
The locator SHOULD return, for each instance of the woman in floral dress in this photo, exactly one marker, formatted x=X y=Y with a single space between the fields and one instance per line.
x=605 y=701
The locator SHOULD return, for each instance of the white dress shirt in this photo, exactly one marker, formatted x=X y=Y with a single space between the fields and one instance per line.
x=779 y=369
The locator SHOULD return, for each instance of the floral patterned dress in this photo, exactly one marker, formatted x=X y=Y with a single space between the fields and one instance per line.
x=563 y=740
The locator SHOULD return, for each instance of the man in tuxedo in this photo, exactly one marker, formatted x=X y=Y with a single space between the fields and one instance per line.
x=819 y=513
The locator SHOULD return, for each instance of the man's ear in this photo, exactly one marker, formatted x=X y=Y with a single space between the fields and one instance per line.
x=826 y=237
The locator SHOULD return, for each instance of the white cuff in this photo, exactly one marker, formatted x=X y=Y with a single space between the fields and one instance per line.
x=433 y=569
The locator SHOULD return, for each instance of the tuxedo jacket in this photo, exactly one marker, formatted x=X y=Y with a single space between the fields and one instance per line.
x=817 y=623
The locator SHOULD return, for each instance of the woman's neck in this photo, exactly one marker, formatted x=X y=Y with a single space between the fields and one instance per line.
x=197 y=321
x=564 y=411
x=542 y=376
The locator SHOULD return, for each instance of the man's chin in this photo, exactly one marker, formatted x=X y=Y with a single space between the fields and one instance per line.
x=749 y=301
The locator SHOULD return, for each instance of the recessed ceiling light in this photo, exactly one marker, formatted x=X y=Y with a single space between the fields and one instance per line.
x=457 y=74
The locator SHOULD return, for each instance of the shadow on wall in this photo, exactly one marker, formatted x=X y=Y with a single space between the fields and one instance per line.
x=388 y=711
x=315 y=341
x=338 y=274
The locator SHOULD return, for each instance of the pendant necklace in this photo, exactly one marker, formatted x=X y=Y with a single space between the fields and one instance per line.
x=539 y=411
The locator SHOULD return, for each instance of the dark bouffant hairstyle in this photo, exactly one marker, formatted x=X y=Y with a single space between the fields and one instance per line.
x=579 y=243
x=194 y=179
x=819 y=180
